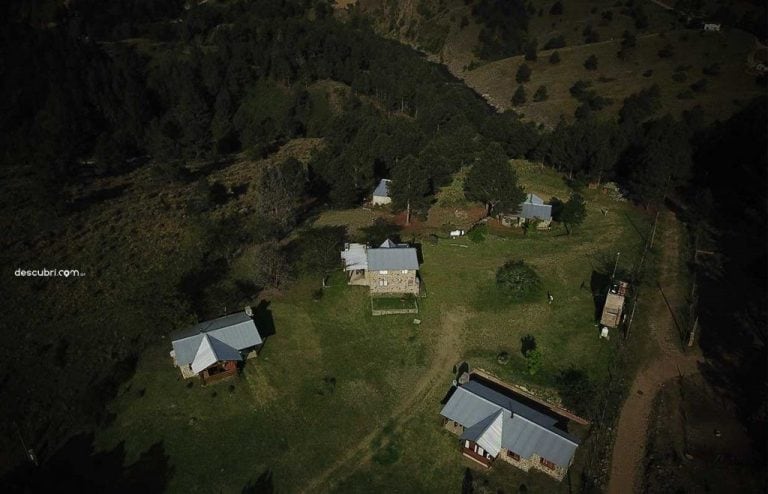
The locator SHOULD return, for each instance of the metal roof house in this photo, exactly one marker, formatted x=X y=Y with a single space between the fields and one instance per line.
x=211 y=349
x=390 y=268
x=493 y=425
x=381 y=193
x=532 y=209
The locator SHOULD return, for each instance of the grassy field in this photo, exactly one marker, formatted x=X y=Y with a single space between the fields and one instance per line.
x=334 y=380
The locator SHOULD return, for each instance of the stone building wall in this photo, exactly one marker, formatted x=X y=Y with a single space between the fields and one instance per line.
x=396 y=281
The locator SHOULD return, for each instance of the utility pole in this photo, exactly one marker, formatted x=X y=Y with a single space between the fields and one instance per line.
x=615 y=266
x=653 y=232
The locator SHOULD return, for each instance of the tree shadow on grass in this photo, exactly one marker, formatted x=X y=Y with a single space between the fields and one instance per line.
x=76 y=467
x=262 y=485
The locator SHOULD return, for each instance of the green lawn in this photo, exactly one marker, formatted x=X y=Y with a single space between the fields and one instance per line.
x=332 y=373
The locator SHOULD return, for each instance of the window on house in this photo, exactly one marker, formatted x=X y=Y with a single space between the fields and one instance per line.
x=513 y=455
x=384 y=271
x=405 y=271
x=547 y=463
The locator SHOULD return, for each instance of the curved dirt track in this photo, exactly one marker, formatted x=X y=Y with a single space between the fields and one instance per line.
x=668 y=363
x=446 y=351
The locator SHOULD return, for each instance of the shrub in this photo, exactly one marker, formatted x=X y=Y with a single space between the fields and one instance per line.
x=477 y=233
x=556 y=42
x=713 y=69
x=517 y=280
x=530 y=51
x=557 y=8
x=554 y=58
x=699 y=85
x=540 y=94
x=590 y=34
x=519 y=97
x=523 y=73
x=666 y=52
x=533 y=361
x=591 y=63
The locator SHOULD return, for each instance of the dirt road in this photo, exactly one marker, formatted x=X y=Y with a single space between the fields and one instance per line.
x=446 y=344
x=668 y=362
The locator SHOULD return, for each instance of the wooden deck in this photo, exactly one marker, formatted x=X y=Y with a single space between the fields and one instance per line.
x=476 y=457
x=219 y=373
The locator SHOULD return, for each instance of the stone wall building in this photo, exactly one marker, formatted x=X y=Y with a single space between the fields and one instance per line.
x=390 y=269
x=492 y=425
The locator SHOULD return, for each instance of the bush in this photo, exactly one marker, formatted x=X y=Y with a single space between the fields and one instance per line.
x=478 y=233
x=591 y=63
x=713 y=69
x=554 y=58
x=533 y=361
x=517 y=280
x=590 y=35
x=519 y=97
x=540 y=94
x=556 y=42
x=557 y=8
x=523 y=73
x=530 y=51
x=699 y=85
x=666 y=52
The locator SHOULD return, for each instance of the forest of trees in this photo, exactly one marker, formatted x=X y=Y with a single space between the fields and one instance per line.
x=102 y=88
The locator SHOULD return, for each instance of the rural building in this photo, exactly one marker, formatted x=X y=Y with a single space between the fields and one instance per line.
x=494 y=425
x=711 y=26
x=614 y=305
x=381 y=193
x=390 y=268
x=212 y=349
x=532 y=209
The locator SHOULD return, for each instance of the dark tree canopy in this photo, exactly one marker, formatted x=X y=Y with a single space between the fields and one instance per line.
x=574 y=212
x=517 y=280
x=493 y=181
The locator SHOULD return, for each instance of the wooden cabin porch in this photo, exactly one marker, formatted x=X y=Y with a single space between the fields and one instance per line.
x=219 y=371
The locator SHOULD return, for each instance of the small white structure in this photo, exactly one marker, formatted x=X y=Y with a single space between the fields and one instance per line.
x=381 y=193
x=457 y=233
x=711 y=26
x=604 y=333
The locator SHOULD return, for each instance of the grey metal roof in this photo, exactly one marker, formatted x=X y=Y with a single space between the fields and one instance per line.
x=355 y=257
x=382 y=189
x=534 y=207
x=392 y=258
x=524 y=430
x=235 y=330
x=488 y=432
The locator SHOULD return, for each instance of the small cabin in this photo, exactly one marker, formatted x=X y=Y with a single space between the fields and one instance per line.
x=213 y=350
x=532 y=209
x=381 y=195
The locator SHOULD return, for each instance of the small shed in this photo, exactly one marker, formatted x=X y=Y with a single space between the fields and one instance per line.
x=614 y=305
x=381 y=193
x=532 y=209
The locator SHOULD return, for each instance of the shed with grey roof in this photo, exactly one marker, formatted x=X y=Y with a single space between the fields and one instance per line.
x=381 y=193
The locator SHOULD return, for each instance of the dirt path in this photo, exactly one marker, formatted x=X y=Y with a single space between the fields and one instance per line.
x=446 y=345
x=668 y=362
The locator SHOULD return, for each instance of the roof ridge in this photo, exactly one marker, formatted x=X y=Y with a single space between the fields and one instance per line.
x=557 y=432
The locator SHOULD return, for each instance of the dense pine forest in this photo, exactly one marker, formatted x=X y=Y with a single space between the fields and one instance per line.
x=92 y=90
